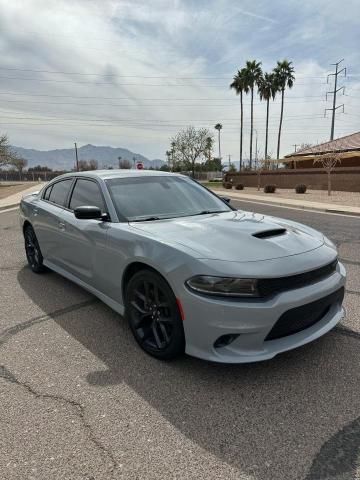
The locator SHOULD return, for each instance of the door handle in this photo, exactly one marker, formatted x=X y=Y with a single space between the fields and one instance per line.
x=62 y=225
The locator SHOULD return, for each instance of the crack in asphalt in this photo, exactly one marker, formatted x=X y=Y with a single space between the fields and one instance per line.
x=352 y=292
x=5 y=335
x=78 y=408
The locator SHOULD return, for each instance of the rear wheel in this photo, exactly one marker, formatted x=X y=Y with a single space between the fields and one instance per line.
x=33 y=252
x=153 y=315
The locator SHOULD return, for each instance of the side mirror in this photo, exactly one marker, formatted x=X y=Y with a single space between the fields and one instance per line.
x=89 y=212
x=226 y=199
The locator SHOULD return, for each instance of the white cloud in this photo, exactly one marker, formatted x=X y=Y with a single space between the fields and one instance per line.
x=156 y=54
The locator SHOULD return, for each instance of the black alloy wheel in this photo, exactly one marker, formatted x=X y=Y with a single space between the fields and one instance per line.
x=154 y=316
x=33 y=252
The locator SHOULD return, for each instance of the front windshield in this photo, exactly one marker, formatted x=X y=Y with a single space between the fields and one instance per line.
x=158 y=197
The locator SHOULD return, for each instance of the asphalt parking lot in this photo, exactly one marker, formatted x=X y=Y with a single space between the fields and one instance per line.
x=79 y=400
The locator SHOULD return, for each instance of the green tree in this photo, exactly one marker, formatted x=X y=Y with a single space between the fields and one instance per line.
x=267 y=89
x=240 y=86
x=218 y=127
x=284 y=77
x=188 y=146
x=253 y=73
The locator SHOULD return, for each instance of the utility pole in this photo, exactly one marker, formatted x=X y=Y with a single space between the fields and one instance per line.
x=334 y=92
x=229 y=162
x=295 y=145
x=76 y=157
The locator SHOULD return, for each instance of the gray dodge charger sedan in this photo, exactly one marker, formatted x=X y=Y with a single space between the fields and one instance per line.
x=188 y=271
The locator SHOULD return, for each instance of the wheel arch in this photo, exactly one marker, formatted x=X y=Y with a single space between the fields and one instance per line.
x=133 y=268
x=25 y=225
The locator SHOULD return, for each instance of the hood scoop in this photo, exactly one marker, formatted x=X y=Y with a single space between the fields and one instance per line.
x=274 y=232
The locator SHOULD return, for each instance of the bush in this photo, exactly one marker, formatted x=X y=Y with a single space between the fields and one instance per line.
x=239 y=186
x=300 y=188
x=227 y=185
x=270 y=188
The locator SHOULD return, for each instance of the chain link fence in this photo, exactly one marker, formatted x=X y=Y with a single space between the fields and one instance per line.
x=11 y=176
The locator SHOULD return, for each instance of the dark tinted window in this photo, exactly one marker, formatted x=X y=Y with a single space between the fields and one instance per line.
x=59 y=192
x=161 y=196
x=47 y=193
x=86 y=192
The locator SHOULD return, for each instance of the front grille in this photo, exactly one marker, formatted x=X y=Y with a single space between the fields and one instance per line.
x=300 y=318
x=271 y=286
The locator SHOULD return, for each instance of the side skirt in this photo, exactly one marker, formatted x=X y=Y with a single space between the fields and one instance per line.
x=104 y=298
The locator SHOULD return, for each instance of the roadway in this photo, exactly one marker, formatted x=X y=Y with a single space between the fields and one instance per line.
x=79 y=400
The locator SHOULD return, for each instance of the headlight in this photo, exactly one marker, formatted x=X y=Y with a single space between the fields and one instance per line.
x=224 y=286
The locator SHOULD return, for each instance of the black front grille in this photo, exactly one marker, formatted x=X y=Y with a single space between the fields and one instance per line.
x=271 y=286
x=300 y=318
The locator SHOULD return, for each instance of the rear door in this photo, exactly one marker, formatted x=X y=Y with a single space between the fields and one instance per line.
x=47 y=222
x=84 y=241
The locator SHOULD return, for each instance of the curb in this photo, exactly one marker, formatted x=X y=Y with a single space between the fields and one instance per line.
x=12 y=205
x=300 y=207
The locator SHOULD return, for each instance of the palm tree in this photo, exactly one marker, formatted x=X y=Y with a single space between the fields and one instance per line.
x=253 y=73
x=240 y=86
x=218 y=127
x=267 y=89
x=284 y=77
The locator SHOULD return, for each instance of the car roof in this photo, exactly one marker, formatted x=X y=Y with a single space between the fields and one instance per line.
x=120 y=173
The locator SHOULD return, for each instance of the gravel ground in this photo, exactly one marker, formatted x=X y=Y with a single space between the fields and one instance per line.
x=342 y=198
x=80 y=401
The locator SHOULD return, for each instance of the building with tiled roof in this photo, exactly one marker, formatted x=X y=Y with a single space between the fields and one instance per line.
x=348 y=146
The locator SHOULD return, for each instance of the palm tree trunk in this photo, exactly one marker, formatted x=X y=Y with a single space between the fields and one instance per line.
x=241 y=126
x=267 y=127
x=219 y=144
x=280 y=124
x=251 y=124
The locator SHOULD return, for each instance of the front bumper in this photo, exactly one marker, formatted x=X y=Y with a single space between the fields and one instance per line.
x=208 y=318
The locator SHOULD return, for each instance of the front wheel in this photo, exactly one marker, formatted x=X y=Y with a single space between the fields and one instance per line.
x=33 y=252
x=153 y=316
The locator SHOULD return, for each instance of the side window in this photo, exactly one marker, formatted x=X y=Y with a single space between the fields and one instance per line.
x=86 y=192
x=47 y=193
x=59 y=192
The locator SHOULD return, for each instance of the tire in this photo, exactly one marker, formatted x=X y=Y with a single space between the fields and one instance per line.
x=33 y=252
x=153 y=315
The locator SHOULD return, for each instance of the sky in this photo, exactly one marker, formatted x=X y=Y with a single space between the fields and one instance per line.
x=133 y=73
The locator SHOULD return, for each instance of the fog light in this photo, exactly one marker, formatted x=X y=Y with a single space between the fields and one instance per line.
x=225 y=340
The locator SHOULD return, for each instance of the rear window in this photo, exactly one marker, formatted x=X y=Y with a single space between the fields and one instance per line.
x=59 y=192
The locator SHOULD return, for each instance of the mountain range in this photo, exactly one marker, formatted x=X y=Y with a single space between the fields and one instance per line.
x=64 y=159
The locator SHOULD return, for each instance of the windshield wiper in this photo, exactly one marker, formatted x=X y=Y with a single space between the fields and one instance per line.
x=204 y=212
x=146 y=219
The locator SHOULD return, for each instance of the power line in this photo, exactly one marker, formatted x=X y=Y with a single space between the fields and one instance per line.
x=61 y=72
x=129 y=84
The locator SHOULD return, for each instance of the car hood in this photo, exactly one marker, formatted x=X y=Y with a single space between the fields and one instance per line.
x=235 y=236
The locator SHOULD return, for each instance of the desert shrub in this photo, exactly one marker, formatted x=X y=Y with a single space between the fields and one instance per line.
x=270 y=188
x=300 y=188
x=227 y=185
x=239 y=186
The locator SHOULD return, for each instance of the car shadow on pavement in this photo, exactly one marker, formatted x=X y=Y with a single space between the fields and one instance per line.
x=293 y=417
